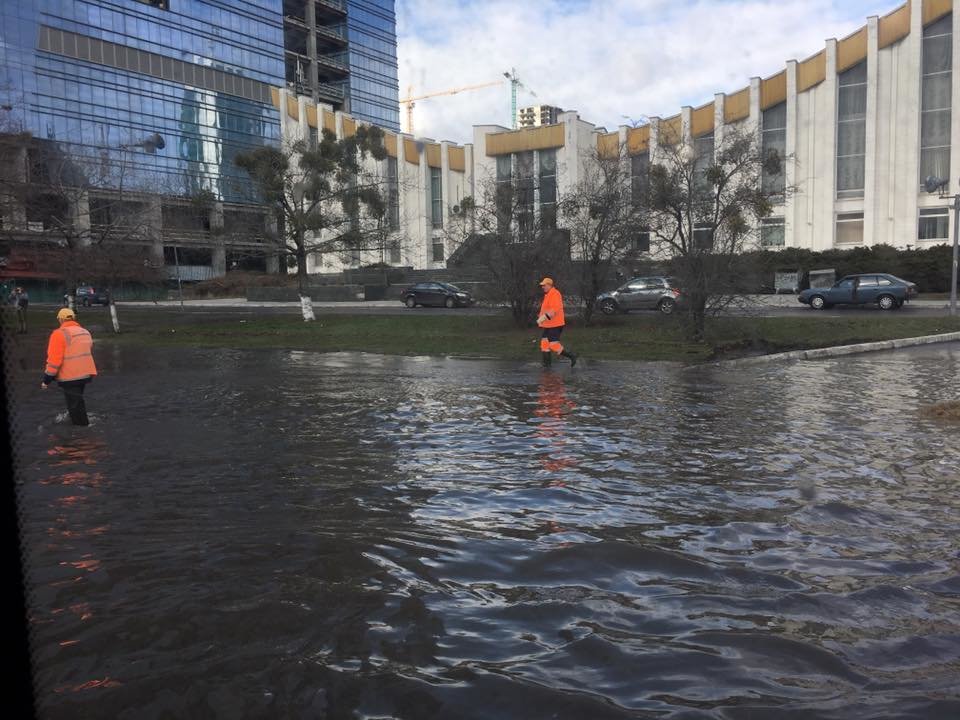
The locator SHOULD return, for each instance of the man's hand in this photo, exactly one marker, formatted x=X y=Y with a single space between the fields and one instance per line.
x=541 y=320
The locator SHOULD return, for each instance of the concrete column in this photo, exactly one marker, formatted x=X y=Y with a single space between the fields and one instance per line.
x=219 y=250
x=80 y=216
x=273 y=258
x=754 y=121
x=686 y=133
x=654 y=139
x=426 y=223
x=313 y=70
x=286 y=132
x=153 y=229
x=906 y=134
x=14 y=210
x=719 y=126
x=955 y=110
x=303 y=131
x=823 y=187
x=870 y=225
x=790 y=161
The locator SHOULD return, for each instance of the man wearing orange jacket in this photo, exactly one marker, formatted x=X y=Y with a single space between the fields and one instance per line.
x=70 y=363
x=552 y=322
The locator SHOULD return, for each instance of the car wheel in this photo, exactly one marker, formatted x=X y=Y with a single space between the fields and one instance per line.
x=608 y=307
x=666 y=306
x=817 y=302
x=410 y=302
x=887 y=302
x=449 y=302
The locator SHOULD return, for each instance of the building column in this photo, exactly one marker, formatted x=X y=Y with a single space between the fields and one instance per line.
x=14 y=209
x=313 y=69
x=790 y=238
x=955 y=109
x=654 y=139
x=218 y=248
x=824 y=177
x=686 y=132
x=153 y=228
x=872 y=233
x=754 y=121
x=719 y=124
x=80 y=216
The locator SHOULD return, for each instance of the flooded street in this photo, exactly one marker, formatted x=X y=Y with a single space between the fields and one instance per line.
x=268 y=534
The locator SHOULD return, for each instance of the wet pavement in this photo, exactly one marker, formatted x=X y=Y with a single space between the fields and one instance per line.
x=276 y=534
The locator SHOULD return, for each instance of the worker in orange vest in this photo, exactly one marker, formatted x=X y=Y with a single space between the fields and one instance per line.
x=552 y=322
x=70 y=363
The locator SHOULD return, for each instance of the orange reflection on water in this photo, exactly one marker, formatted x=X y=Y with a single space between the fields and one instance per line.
x=553 y=406
x=106 y=682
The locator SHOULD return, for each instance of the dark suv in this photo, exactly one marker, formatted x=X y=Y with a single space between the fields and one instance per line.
x=86 y=295
x=641 y=293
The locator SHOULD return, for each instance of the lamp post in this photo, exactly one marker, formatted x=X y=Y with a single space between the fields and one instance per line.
x=939 y=185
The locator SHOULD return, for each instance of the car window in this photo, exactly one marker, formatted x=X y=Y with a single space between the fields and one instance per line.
x=868 y=281
x=884 y=281
x=421 y=286
x=634 y=286
x=846 y=283
x=895 y=279
x=452 y=288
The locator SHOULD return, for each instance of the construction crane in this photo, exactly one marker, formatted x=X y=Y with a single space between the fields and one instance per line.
x=410 y=100
x=514 y=84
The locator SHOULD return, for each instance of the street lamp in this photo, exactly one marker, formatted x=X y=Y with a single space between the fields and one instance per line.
x=939 y=185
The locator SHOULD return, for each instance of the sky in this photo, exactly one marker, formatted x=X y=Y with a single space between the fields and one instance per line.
x=614 y=61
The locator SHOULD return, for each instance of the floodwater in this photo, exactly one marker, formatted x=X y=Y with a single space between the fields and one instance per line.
x=265 y=534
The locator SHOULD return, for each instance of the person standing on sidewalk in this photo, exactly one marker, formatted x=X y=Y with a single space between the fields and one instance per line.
x=552 y=321
x=70 y=363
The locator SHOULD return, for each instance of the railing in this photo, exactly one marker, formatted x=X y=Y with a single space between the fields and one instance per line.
x=335 y=60
x=337 y=32
x=326 y=90
x=334 y=4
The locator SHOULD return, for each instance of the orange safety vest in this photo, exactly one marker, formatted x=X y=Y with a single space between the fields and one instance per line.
x=69 y=353
x=552 y=307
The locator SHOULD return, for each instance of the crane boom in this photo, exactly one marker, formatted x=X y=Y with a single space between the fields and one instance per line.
x=411 y=99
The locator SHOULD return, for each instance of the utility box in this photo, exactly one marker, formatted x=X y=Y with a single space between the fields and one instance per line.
x=787 y=280
x=822 y=278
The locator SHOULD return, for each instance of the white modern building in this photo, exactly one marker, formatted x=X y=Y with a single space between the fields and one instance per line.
x=861 y=123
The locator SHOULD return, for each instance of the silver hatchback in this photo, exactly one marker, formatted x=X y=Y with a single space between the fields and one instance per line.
x=641 y=293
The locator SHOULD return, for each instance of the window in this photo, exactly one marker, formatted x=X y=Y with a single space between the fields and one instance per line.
x=161 y=4
x=548 y=187
x=936 y=99
x=639 y=177
x=436 y=199
x=850 y=229
x=314 y=138
x=437 y=250
x=851 y=131
x=703 y=149
x=641 y=241
x=703 y=236
x=868 y=281
x=884 y=281
x=772 y=232
x=934 y=224
x=775 y=141
x=525 y=195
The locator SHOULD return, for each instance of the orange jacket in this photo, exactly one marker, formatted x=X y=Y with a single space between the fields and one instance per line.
x=69 y=355
x=552 y=308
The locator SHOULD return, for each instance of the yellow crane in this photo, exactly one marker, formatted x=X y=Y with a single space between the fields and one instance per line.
x=411 y=99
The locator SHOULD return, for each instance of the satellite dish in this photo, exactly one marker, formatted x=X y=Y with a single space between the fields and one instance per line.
x=932 y=183
x=455 y=209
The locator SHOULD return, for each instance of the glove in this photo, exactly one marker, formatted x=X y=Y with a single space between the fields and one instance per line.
x=541 y=320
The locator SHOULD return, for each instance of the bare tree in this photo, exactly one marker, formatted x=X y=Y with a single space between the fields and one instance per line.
x=703 y=208
x=604 y=220
x=512 y=239
x=325 y=197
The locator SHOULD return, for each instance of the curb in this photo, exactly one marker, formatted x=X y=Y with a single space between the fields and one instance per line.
x=841 y=350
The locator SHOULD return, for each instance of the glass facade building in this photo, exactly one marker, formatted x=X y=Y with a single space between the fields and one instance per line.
x=344 y=53
x=372 y=49
x=170 y=90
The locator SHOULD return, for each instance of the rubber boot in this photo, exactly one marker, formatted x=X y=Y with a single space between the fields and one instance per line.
x=571 y=356
x=545 y=358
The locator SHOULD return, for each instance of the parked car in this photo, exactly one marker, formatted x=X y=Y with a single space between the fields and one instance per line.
x=436 y=293
x=888 y=291
x=86 y=295
x=641 y=293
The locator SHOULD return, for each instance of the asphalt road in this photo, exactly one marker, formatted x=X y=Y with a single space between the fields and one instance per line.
x=760 y=306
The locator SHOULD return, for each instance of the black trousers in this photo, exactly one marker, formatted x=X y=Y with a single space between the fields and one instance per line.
x=76 y=406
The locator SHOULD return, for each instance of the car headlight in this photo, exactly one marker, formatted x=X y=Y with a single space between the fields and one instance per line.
x=463 y=295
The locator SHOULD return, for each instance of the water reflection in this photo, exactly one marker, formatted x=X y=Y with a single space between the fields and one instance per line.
x=267 y=534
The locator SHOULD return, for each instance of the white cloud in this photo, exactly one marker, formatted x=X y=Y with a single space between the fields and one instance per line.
x=608 y=59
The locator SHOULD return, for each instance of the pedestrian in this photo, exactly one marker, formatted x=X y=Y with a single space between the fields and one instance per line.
x=20 y=300
x=552 y=321
x=70 y=363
